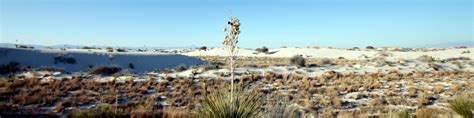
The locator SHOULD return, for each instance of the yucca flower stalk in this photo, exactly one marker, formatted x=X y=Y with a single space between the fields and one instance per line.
x=230 y=41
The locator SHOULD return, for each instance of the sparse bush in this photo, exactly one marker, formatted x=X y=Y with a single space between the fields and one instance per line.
x=466 y=52
x=262 y=50
x=324 y=61
x=227 y=105
x=109 y=49
x=212 y=66
x=181 y=67
x=461 y=47
x=203 y=48
x=384 y=54
x=104 y=70
x=462 y=105
x=101 y=111
x=64 y=59
x=131 y=66
x=23 y=46
x=121 y=50
x=87 y=47
x=370 y=47
x=298 y=60
x=425 y=58
x=425 y=113
x=12 y=67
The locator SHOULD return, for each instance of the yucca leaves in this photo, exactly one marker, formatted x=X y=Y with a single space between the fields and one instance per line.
x=220 y=105
x=463 y=106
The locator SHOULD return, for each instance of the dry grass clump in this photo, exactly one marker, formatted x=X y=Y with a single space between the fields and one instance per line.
x=425 y=58
x=262 y=50
x=65 y=59
x=11 y=68
x=105 y=70
x=298 y=60
x=425 y=113
x=101 y=111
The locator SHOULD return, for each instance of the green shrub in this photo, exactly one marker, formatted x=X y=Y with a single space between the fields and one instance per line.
x=220 y=105
x=463 y=106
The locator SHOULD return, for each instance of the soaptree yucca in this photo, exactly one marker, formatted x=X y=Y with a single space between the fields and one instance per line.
x=219 y=105
x=230 y=41
x=462 y=105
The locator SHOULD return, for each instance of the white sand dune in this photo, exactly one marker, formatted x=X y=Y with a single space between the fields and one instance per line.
x=141 y=62
x=336 y=53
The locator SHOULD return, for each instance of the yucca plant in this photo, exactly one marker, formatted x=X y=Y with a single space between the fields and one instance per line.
x=230 y=41
x=220 y=105
x=463 y=106
x=403 y=114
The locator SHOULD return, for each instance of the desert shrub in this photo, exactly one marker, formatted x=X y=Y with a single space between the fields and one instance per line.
x=181 y=67
x=425 y=58
x=425 y=113
x=456 y=58
x=262 y=50
x=23 y=46
x=370 y=47
x=64 y=59
x=354 y=48
x=203 y=48
x=463 y=106
x=87 y=47
x=220 y=105
x=101 y=111
x=297 y=60
x=324 y=61
x=384 y=54
x=212 y=65
x=12 y=67
x=283 y=110
x=121 y=50
x=461 y=47
x=131 y=66
x=109 y=49
x=105 y=70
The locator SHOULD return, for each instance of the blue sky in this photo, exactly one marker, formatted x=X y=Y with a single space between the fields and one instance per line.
x=177 y=23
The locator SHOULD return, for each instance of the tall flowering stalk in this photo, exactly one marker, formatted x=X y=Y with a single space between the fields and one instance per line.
x=230 y=41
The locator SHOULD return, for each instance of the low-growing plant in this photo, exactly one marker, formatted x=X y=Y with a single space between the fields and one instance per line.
x=463 y=106
x=121 y=50
x=101 y=111
x=221 y=105
x=203 y=48
x=425 y=58
x=298 y=60
x=105 y=70
x=262 y=50
x=12 y=67
x=64 y=59
x=370 y=47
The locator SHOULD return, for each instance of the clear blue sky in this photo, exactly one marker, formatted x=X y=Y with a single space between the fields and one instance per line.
x=176 y=23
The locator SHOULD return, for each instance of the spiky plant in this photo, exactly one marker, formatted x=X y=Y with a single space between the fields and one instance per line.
x=230 y=41
x=463 y=106
x=220 y=105
x=403 y=114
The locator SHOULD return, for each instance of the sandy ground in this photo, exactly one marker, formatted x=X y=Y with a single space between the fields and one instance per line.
x=374 y=81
